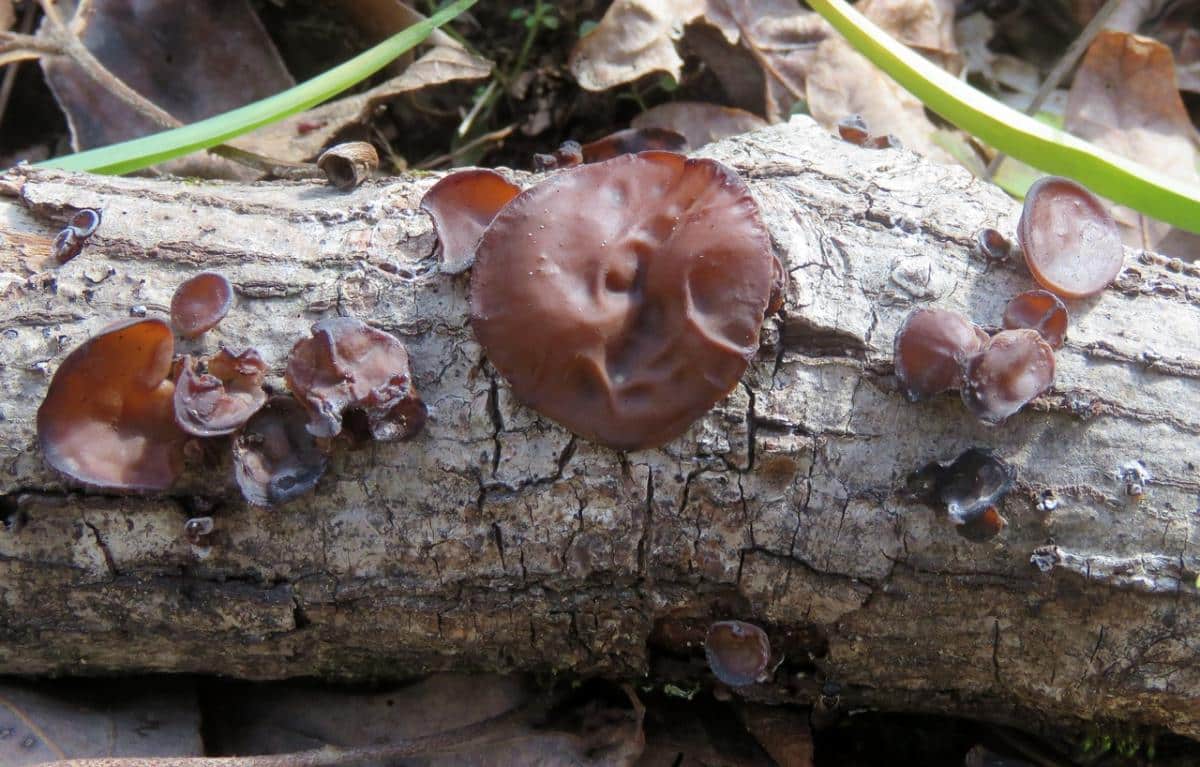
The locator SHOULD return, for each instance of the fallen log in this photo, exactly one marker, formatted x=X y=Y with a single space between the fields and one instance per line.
x=496 y=540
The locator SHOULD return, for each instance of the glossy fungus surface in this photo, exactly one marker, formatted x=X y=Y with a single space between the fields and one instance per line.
x=928 y=349
x=623 y=299
x=568 y=155
x=349 y=367
x=218 y=402
x=632 y=141
x=1013 y=368
x=200 y=303
x=853 y=128
x=992 y=244
x=275 y=458
x=70 y=241
x=461 y=206
x=108 y=420
x=1072 y=245
x=969 y=489
x=738 y=652
x=1039 y=310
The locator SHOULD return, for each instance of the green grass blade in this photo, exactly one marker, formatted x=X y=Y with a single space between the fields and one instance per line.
x=1042 y=146
x=149 y=150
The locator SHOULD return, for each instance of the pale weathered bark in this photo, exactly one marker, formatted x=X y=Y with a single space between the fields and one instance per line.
x=497 y=540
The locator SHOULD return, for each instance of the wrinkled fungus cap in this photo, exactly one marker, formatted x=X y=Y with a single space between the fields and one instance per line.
x=218 y=402
x=623 y=299
x=738 y=653
x=348 y=365
x=275 y=459
x=928 y=348
x=1039 y=310
x=461 y=206
x=200 y=303
x=108 y=420
x=853 y=128
x=632 y=141
x=1013 y=368
x=969 y=489
x=1072 y=245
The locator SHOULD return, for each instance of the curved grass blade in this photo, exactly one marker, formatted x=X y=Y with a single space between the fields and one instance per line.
x=1121 y=180
x=150 y=150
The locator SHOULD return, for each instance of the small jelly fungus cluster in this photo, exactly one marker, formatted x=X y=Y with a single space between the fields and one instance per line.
x=738 y=653
x=968 y=489
x=70 y=241
x=853 y=129
x=123 y=411
x=628 y=141
x=622 y=298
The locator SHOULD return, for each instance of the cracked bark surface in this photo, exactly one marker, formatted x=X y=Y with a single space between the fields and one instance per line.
x=497 y=540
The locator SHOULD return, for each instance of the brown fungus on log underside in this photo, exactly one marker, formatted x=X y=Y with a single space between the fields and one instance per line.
x=220 y=401
x=108 y=420
x=738 y=653
x=275 y=458
x=928 y=350
x=1013 y=368
x=200 y=303
x=350 y=372
x=968 y=489
x=1072 y=245
x=624 y=299
x=1039 y=310
x=462 y=205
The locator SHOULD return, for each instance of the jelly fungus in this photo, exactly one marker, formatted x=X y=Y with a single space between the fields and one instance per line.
x=348 y=165
x=1039 y=310
x=1013 y=368
x=70 y=241
x=197 y=530
x=348 y=369
x=887 y=141
x=969 y=489
x=738 y=653
x=220 y=401
x=568 y=155
x=462 y=205
x=992 y=244
x=1071 y=243
x=632 y=141
x=275 y=458
x=853 y=129
x=200 y=303
x=108 y=420
x=928 y=349
x=623 y=299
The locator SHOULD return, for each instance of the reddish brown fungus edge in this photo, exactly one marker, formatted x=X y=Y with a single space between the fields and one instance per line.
x=200 y=303
x=219 y=402
x=1092 y=250
x=462 y=205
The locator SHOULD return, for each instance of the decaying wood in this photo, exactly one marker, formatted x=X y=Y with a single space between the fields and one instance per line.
x=497 y=540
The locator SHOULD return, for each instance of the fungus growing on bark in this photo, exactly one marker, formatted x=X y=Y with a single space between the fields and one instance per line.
x=1039 y=310
x=886 y=141
x=632 y=141
x=348 y=165
x=275 y=458
x=853 y=128
x=928 y=350
x=969 y=489
x=568 y=155
x=738 y=652
x=1072 y=245
x=348 y=369
x=218 y=402
x=108 y=420
x=200 y=303
x=197 y=530
x=992 y=244
x=462 y=205
x=70 y=241
x=1013 y=368
x=623 y=299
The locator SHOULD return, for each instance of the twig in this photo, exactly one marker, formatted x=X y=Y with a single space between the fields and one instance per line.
x=1064 y=65
x=10 y=76
x=496 y=135
x=484 y=98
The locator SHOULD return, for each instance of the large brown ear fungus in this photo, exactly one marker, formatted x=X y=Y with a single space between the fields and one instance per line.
x=1072 y=245
x=1039 y=310
x=738 y=652
x=623 y=299
x=218 y=402
x=200 y=303
x=461 y=206
x=350 y=369
x=275 y=459
x=108 y=420
x=1013 y=368
x=928 y=349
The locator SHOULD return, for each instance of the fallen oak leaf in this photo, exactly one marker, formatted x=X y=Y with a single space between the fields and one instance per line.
x=633 y=39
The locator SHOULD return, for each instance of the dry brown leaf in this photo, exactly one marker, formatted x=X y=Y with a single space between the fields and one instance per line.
x=926 y=25
x=1125 y=98
x=7 y=15
x=634 y=38
x=700 y=123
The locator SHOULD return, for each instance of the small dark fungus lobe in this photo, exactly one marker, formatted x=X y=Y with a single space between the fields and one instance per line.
x=632 y=141
x=1072 y=245
x=623 y=299
x=992 y=244
x=200 y=303
x=968 y=489
x=70 y=241
x=108 y=420
x=928 y=350
x=348 y=165
x=738 y=652
x=853 y=128
x=275 y=458
x=1013 y=368
x=197 y=530
x=220 y=401
x=1039 y=310
x=462 y=205
x=568 y=155
x=887 y=141
x=350 y=370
